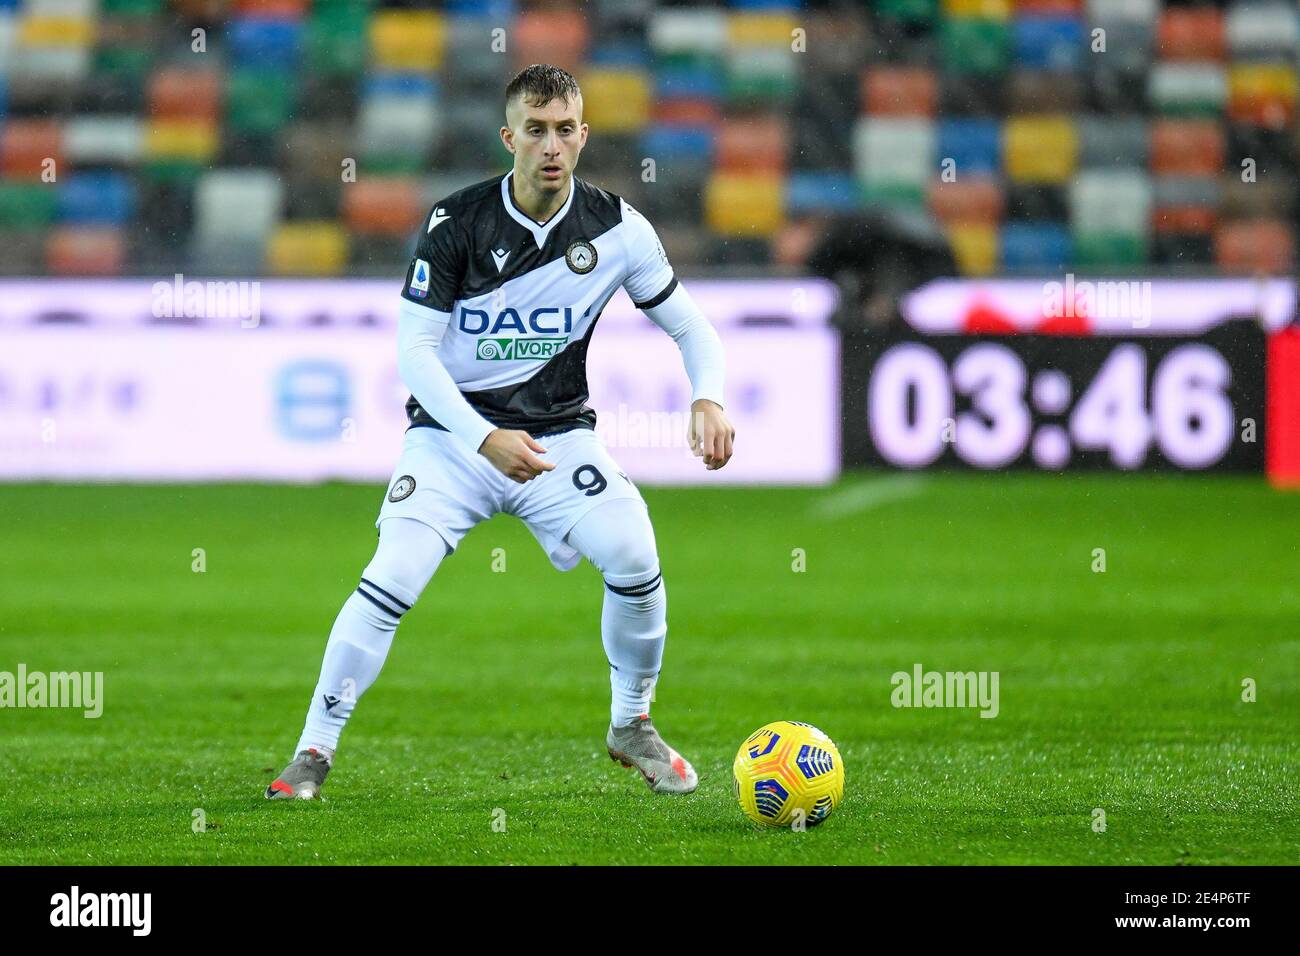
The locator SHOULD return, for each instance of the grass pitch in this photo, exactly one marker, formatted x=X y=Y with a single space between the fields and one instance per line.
x=1119 y=690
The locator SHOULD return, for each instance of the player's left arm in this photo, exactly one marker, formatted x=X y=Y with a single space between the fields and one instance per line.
x=654 y=289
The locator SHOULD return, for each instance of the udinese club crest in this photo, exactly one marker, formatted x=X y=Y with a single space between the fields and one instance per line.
x=580 y=256
x=402 y=488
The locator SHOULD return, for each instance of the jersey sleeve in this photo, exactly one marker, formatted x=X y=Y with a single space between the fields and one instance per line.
x=433 y=278
x=650 y=279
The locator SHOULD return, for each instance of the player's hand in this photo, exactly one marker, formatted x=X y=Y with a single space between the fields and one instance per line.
x=511 y=453
x=710 y=434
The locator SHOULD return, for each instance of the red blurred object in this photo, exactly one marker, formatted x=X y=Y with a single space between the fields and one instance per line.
x=1282 y=451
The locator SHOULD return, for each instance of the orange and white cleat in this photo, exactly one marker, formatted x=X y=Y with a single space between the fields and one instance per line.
x=639 y=745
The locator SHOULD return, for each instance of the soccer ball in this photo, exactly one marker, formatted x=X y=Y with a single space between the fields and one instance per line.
x=788 y=772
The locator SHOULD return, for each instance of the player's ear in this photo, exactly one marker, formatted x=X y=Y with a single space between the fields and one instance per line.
x=508 y=138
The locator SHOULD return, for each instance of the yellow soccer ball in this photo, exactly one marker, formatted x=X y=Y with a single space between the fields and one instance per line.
x=788 y=772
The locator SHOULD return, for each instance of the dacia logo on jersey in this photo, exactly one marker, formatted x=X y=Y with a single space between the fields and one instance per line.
x=532 y=347
x=419 y=286
x=544 y=321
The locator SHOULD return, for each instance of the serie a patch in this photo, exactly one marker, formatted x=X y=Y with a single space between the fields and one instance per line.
x=419 y=286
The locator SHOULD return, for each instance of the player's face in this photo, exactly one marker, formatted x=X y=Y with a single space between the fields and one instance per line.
x=546 y=141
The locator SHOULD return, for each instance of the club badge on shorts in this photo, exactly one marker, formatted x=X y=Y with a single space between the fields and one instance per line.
x=581 y=256
x=402 y=488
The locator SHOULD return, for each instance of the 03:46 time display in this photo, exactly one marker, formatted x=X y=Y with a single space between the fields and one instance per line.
x=990 y=407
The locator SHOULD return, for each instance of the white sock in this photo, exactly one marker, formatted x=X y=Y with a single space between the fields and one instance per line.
x=408 y=554
x=617 y=538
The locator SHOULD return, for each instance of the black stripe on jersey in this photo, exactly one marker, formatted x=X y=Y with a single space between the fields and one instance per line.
x=660 y=298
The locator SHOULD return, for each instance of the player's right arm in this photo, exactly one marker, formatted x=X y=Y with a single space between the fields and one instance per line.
x=428 y=299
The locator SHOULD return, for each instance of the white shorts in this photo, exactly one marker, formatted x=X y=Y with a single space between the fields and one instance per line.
x=443 y=484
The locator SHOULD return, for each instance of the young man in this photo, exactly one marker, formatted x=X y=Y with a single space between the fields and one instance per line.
x=508 y=280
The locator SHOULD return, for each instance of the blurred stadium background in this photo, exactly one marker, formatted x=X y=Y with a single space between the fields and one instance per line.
x=973 y=235
x=1070 y=150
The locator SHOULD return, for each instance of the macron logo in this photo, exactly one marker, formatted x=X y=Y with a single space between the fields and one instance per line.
x=499 y=256
x=436 y=220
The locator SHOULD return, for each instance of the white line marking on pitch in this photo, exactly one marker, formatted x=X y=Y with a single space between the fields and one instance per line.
x=866 y=495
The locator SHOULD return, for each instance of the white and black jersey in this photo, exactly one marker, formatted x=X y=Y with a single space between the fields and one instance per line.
x=519 y=299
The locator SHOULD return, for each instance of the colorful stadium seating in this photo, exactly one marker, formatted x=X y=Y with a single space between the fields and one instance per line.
x=309 y=136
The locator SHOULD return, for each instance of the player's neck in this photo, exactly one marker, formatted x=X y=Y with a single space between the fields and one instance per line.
x=537 y=206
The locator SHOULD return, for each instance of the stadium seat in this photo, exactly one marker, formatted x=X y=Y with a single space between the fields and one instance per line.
x=974 y=145
x=265 y=42
x=1113 y=141
x=1047 y=42
x=1264 y=28
x=91 y=140
x=1191 y=33
x=1139 y=12
x=760 y=74
x=1040 y=149
x=179 y=148
x=761 y=29
x=85 y=251
x=557 y=35
x=185 y=93
x=26 y=205
x=334 y=40
x=1186 y=205
x=975 y=248
x=259 y=101
x=1266 y=246
x=1187 y=148
x=308 y=249
x=757 y=144
x=1036 y=246
x=688 y=33
x=26 y=144
x=237 y=206
x=895 y=151
x=96 y=198
x=1262 y=94
x=900 y=91
x=1188 y=89
x=1271 y=196
x=616 y=101
x=1037 y=91
x=820 y=192
x=398 y=122
x=967 y=9
x=383 y=206
x=970 y=200
x=915 y=12
x=975 y=46
x=407 y=40
x=1110 y=216
x=744 y=204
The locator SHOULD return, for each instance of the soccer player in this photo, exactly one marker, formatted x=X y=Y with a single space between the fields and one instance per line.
x=509 y=278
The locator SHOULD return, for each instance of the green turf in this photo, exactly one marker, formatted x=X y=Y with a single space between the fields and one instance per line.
x=1119 y=691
